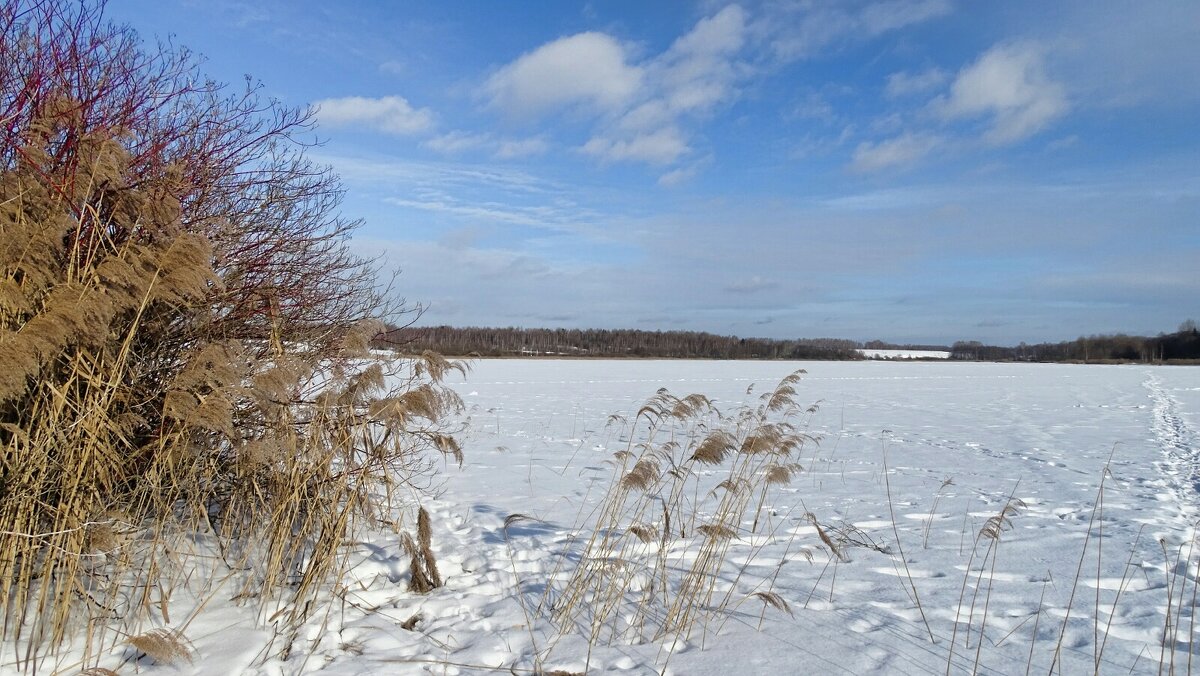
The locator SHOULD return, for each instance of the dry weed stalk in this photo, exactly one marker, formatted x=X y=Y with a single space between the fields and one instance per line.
x=688 y=479
x=774 y=600
x=993 y=528
x=425 y=575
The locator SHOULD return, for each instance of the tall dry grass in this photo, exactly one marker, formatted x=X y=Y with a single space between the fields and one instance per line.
x=690 y=482
x=137 y=447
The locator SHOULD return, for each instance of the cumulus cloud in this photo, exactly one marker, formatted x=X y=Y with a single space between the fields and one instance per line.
x=642 y=108
x=587 y=68
x=1009 y=84
x=696 y=74
x=698 y=71
x=1007 y=88
x=646 y=109
x=391 y=114
x=904 y=83
x=895 y=152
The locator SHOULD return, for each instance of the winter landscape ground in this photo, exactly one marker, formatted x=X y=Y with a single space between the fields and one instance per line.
x=949 y=518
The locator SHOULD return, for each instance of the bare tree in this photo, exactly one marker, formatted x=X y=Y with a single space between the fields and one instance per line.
x=233 y=159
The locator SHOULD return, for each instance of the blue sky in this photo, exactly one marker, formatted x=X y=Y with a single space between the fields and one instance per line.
x=911 y=170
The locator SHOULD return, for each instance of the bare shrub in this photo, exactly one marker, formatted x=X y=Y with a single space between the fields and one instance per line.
x=183 y=332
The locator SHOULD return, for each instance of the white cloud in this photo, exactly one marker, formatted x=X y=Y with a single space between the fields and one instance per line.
x=488 y=212
x=895 y=152
x=1009 y=84
x=696 y=74
x=720 y=33
x=642 y=109
x=647 y=115
x=587 y=68
x=391 y=114
x=459 y=142
x=663 y=146
x=904 y=83
x=456 y=142
x=1007 y=88
x=646 y=110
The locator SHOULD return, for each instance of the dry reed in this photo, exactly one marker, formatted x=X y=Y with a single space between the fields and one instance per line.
x=132 y=438
x=685 y=485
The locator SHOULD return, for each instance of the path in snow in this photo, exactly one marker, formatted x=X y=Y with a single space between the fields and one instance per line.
x=1180 y=464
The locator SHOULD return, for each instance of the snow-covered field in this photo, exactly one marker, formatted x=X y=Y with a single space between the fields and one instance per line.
x=960 y=442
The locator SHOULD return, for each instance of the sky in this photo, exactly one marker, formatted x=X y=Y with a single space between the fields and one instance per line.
x=919 y=171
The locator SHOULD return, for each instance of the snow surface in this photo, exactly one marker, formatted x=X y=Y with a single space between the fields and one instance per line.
x=538 y=442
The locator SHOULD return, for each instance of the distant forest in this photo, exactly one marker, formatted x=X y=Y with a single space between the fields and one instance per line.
x=507 y=342
x=1184 y=344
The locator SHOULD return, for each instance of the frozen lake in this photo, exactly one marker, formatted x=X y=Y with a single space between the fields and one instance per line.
x=1047 y=425
x=1039 y=433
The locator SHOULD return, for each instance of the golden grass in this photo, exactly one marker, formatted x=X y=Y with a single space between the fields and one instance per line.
x=662 y=499
x=131 y=440
x=162 y=645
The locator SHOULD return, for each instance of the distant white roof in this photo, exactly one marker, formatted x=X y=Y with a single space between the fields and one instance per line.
x=905 y=354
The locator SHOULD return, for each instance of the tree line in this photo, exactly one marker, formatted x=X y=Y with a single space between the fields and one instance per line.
x=511 y=341
x=1184 y=344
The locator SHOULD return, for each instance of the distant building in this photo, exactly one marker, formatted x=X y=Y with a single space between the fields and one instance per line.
x=904 y=354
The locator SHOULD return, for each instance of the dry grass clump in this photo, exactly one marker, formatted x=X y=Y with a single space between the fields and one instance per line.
x=162 y=645
x=690 y=483
x=157 y=415
x=425 y=575
x=121 y=446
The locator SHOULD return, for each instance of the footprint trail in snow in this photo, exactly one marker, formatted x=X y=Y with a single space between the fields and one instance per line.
x=1180 y=464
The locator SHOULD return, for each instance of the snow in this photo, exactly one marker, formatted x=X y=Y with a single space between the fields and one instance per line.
x=957 y=442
